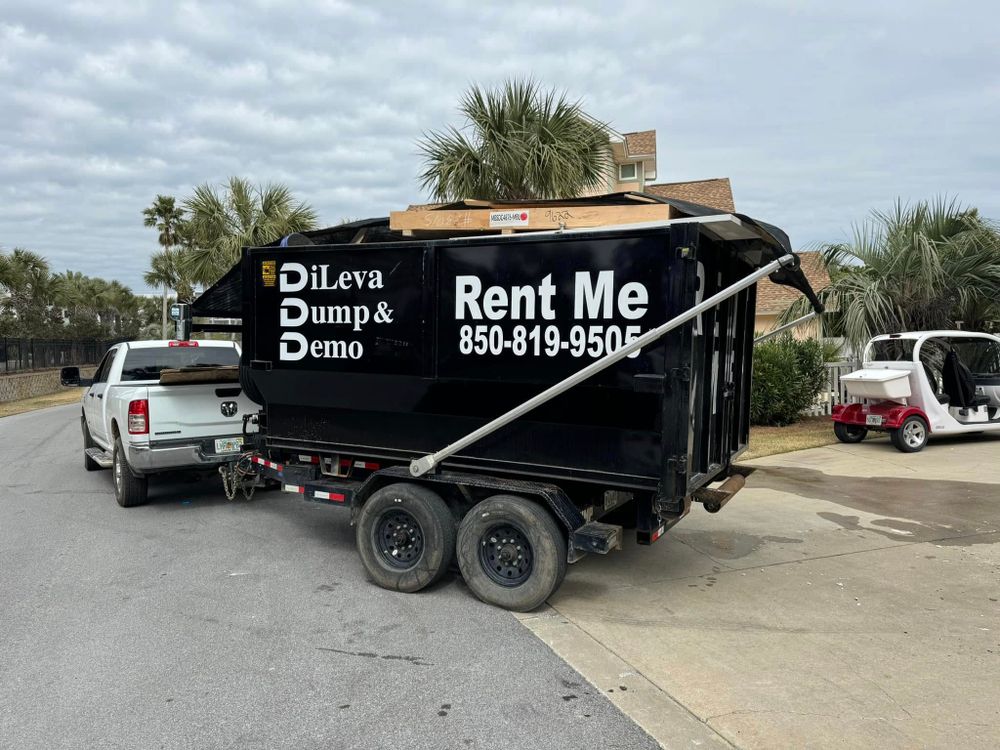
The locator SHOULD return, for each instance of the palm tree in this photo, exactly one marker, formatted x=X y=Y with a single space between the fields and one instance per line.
x=28 y=288
x=519 y=142
x=163 y=272
x=930 y=265
x=167 y=218
x=220 y=225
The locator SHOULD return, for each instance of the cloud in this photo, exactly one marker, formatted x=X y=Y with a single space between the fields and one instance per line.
x=817 y=112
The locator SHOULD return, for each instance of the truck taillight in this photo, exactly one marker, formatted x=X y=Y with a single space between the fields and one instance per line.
x=182 y=343
x=138 y=417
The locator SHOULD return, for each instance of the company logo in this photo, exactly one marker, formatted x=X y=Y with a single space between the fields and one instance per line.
x=502 y=219
x=269 y=272
x=228 y=408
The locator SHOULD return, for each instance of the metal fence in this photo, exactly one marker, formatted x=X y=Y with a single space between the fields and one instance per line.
x=834 y=392
x=19 y=355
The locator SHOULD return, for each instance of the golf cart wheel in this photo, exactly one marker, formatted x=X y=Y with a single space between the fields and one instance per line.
x=406 y=537
x=130 y=490
x=88 y=442
x=511 y=552
x=849 y=433
x=911 y=436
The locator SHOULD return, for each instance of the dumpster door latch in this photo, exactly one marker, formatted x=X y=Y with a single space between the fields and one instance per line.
x=678 y=463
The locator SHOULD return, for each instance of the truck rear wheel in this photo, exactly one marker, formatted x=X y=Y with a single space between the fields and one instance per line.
x=406 y=537
x=88 y=442
x=130 y=490
x=511 y=552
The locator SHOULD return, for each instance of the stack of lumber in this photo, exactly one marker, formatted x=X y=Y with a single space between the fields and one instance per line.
x=505 y=217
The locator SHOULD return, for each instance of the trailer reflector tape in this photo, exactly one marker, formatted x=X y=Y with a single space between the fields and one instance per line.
x=657 y=534
x=334 y=496
x=293 y=488
x=308 y=459
x=268 y=464
x=366 y=465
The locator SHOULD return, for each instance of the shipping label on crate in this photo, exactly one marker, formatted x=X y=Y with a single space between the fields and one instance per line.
x=349 y=310
x=540 y=311
x=520 y=217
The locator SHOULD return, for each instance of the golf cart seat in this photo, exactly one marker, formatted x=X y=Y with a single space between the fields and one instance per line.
x=958 y=383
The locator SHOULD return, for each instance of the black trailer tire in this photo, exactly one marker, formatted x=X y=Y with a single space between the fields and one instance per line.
x=511 y=552
x=911 y=437
x=406 y=537
x=130 y=490
x=849 y=433
x=88 y=442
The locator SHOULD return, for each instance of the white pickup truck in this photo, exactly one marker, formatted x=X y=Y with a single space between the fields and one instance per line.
x=155 y=406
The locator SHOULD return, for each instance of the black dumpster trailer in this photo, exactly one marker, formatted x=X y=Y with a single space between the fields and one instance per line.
x=516 y=400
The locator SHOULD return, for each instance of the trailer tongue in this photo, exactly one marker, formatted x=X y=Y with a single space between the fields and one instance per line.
x=513 y=400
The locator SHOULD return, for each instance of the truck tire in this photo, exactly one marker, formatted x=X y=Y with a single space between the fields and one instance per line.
x=406 y=537
x=911 y=436
x=849 y=433
x=88 y=442
x=130 y=490
x=511 y=552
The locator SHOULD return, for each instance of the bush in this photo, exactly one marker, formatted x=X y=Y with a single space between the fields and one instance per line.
x=787 y=376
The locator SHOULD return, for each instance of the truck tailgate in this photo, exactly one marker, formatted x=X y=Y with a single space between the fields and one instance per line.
x=198 y=411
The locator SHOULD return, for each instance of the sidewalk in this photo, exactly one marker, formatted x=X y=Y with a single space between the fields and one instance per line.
x=848 y=596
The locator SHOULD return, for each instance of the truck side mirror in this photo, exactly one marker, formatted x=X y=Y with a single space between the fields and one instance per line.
x=70 y=376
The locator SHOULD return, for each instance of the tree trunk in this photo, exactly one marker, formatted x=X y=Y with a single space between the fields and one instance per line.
x=164 y=330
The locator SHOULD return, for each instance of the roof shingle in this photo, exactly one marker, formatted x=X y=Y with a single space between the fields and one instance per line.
x=775 y=298
x=714 y=193
x=641 y=143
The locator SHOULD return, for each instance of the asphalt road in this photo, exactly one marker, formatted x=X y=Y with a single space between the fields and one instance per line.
x=197 y=622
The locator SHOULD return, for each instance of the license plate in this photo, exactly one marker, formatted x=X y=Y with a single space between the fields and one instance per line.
x=874 y=420
x=229 y=445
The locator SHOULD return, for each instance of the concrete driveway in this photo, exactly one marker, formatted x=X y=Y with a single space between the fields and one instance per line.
x=847 y=597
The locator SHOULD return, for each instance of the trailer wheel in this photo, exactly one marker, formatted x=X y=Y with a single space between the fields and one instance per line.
x=130 y=490
x=406 y=537
x=849 y=433
x=511 y=552
x=88 y=442
x=911 y=436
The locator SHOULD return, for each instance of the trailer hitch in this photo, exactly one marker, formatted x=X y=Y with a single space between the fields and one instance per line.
x=420 y=466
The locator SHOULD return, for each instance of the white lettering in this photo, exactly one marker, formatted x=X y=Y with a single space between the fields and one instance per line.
x=597 y=299
x=522 y=296
x=632 y=300
x=467 y=290
x=286 y=319
x=286 y=284
x=495 y=302
x=546 y=291
x=285 y=353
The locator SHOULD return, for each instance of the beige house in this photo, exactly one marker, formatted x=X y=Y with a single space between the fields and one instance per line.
x=634 y=168
x=774 y=299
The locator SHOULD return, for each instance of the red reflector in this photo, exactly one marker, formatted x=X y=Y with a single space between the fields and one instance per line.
x=182 y=343
x=138 y=417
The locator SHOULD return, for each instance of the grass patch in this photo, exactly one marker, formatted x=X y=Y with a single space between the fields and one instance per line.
x=65 y=396
x=811 y=432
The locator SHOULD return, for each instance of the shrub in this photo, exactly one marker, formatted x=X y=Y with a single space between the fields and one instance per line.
x=787 y=376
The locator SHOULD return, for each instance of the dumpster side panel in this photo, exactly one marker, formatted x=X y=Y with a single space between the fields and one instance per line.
x=397 y=350
x=447 y=336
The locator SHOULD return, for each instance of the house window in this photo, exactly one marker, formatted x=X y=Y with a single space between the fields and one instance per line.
x=628 y=172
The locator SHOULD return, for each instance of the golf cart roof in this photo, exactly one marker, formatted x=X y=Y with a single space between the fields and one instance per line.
x=923 y=335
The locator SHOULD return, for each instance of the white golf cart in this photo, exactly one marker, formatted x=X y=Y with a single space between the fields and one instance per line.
x=921 y=383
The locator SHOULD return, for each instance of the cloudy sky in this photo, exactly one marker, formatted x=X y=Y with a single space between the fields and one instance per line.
x=818 y=111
